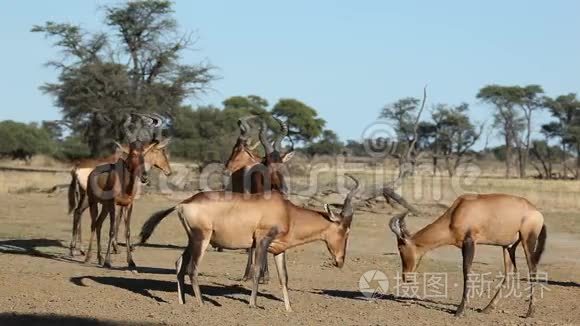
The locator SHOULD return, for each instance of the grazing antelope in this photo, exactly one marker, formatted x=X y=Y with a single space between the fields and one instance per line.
x=488 y=219
x=270 y=223
x=250 y=174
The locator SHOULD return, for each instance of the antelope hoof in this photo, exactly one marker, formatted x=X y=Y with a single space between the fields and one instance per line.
x=248 y=275
x=530 y=313
x=132 y=266
x=264 y=280
x=87 y=259
x=459 y=313
x=76 y=252
x=107 y=264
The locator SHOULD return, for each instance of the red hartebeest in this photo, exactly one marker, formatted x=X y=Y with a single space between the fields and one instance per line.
x=114 y=185
x=488 y=219
x=250 y=174
x=156 y=157
x=269 y=222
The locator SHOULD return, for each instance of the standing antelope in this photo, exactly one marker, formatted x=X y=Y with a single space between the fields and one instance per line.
x=269 y=222
x=489 y=219
x=114 y=185
x=251 y=175
x=77 y=199
x=156 y=157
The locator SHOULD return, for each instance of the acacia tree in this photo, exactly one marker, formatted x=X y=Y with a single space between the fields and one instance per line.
x=136 y=68
x=507 y=119
x=329 y=144
x=405 y=116
x=455 y=134
x=566 y=110
x=515 y=125
x=303 y=120
x=529 y=99
x=21 y=141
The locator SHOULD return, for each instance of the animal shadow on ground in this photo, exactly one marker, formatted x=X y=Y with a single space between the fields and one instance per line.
x=144 y=287
x=16 y=319
x=357 y=295
x=31 y=247
x=566 y=284
x=155 y=245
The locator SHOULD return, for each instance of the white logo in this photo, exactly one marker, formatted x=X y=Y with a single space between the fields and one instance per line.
x=373 y=284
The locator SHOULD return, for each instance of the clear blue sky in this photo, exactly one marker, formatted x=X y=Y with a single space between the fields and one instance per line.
x=347 y=59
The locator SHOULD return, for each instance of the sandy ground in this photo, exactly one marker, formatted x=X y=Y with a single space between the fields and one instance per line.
x=41 y=285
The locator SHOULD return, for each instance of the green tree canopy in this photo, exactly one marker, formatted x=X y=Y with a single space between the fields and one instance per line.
x=303 y=121
x=329 y=144
x=135 y=68
x=402 y=114
x=17 y=136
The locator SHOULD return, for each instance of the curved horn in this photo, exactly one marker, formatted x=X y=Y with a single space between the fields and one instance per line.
x=291 y=143
x=264 y=139
x=153 y=122
x=398 y=226
x=157 y=119
x=131 y=137
x=283 y=133
x=244 y=127
x=347 y=209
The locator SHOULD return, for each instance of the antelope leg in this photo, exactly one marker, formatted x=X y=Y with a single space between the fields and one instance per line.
x=261 y=252
x=468 y=252
x=280 y=260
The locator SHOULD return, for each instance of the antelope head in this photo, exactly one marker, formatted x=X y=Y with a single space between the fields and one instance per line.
x=410 y=256
x=243 y=154
x=273 y=150
x=336 y=236
x=274 y=158
x=158 y=157
x=135 y=160
x=152 y=154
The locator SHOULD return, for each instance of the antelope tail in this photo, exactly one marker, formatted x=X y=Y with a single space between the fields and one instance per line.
x=540 y=245
x=152 y=222
x=72 y=192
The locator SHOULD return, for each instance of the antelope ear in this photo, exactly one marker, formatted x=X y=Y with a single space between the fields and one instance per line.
x=331 y=215
x=123 y=149
x=164 y=143
x=149 y=148
x=288 y=156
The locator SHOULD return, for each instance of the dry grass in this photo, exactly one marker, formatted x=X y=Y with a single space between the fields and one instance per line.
x=321 y=175
x=16 y=181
